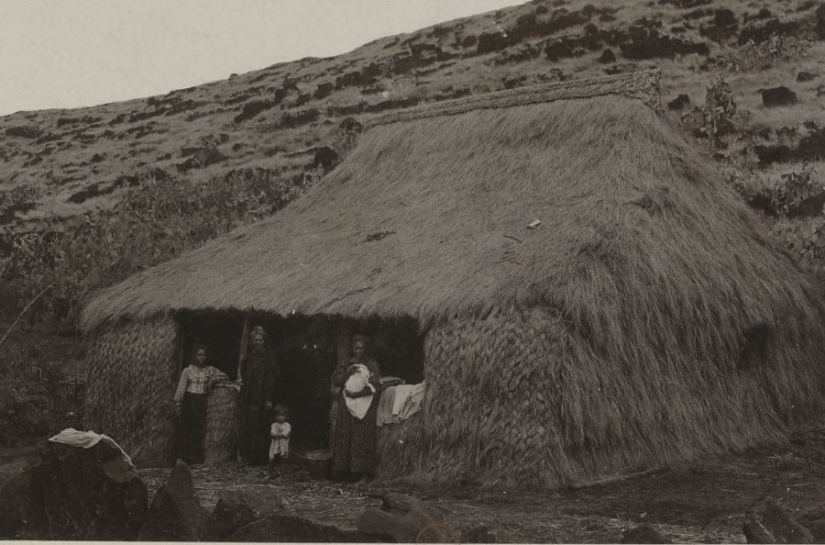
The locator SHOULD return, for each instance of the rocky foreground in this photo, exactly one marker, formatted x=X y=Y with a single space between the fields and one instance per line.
x=761 y=496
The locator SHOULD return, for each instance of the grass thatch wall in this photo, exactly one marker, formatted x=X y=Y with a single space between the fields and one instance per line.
x=133 y=373
x=627 y=328
x=525 y=398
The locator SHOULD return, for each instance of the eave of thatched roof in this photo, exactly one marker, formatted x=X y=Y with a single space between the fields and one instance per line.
x=428 y=216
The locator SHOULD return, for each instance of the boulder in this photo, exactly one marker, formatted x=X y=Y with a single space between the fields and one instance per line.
x=805 y=76
x=237 y=508
x=87 y=493
x=679 y=103
x=176 y=513
x=767 y=522
x=814 y=520
x=406 y=519
x=644 y=533
x=777 y=96
x=487 y=533
x=16 y=513
x=279 y=528
x=607 y=56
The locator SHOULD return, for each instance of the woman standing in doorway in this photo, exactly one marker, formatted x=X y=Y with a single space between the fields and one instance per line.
x=190 y=405
x=260 y=390
x=354 y=439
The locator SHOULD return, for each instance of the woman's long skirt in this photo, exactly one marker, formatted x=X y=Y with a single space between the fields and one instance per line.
x=353 y=441
x=191 y=432
x=254 y=437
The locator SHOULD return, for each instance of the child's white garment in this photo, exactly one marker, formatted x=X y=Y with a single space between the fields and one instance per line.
x=279 y=445
x=356 y=383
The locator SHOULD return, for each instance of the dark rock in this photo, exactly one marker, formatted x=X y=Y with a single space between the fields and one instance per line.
x=237 y=508
x=407 y=520
x=607 y=56
x=469 y=41
x=773 y=154
x=724 y=26
x=280 y=528
x=491 y=41
x=679 y=103
x=351 y=125
x=644 y=533
x=323 y=91
x=820 y=21
x=817 y=528
x=761 y=34
x=16 y=511
x=92 y=493
x=812 y=147
x=763 y=13
x=325 y=158
x=253 y=108
x=777 y=96
x=175 y=514
x=767 y=522
x=488 y=534
x=646 y=42
x=805 y=76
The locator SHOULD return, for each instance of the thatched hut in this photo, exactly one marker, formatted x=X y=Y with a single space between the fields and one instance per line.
x=644 y=320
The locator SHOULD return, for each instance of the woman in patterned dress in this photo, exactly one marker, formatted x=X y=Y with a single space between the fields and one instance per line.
x=353 y=440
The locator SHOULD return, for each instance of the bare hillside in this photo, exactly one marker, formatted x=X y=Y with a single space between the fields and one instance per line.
x=90 y=196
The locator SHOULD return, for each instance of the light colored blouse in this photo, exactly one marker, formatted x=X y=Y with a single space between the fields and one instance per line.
x=196 y=380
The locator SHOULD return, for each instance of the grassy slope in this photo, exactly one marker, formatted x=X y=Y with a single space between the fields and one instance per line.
x=56 y=164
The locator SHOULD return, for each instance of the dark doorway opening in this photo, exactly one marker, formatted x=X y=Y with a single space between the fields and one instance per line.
x=220 y=331
x=308 y=349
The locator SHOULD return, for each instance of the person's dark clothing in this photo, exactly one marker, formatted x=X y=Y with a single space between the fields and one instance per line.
x=191 y=431
x=261 y=385
x=353 y=441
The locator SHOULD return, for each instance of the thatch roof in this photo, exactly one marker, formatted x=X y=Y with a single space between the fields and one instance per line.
x=428 y=217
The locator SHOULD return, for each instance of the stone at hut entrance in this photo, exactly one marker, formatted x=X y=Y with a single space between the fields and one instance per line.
x=237 y=508
x=767 y=522
x=407 y=520
x=279 y=528
x=86 y=493
x=175 y=514
x=644 y=533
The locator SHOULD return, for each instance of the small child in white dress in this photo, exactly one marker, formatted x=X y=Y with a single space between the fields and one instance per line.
x=279 y=432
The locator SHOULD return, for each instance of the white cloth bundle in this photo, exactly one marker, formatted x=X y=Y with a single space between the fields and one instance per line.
x=358 y=406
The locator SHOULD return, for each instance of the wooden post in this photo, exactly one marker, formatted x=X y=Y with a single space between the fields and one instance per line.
x=343 y=339
x=244 y=344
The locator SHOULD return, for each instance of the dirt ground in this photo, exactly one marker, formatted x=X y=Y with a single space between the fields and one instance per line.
x=702 y=501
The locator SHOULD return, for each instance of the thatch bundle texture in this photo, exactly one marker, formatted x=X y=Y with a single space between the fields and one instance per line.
x=221 y=424
x=645 y=319
x=133 y=372
x=541 y=404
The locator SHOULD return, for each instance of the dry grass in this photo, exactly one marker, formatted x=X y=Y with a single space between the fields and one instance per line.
x=615 y=335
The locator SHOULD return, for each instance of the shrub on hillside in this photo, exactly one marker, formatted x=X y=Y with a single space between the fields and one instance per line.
x=165 y=218
x=24 y=132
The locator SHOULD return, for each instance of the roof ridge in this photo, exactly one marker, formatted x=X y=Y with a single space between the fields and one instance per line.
x=643 y=85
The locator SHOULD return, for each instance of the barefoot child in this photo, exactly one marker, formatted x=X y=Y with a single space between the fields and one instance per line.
x=279 y=432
